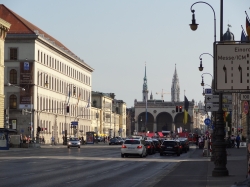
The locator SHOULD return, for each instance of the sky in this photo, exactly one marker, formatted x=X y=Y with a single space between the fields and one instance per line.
x=118 y=37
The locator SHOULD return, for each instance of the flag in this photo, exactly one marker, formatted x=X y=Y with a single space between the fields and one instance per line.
x=69 y=97
x=78 y=98
x=186 y=105
x=247 y=26
x=88 y=105
x=243 y=37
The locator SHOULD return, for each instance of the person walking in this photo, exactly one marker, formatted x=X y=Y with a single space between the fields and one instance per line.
x=238 y=141
x=52 y=140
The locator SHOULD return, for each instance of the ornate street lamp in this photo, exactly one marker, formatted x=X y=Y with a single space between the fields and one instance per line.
x=201 y=67
x=220 y=154
x=202 y=82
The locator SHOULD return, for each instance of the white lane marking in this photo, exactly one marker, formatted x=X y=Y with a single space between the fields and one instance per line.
x=71 y=181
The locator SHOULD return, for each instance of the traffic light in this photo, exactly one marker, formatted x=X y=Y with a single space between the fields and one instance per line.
x=67 y=109
x=180 y=108
x=176 y=108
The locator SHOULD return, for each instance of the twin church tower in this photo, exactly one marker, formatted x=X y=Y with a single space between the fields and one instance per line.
x=175 y=88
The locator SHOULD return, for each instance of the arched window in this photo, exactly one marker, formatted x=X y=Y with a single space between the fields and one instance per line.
x=13 y=102
x=13 y=76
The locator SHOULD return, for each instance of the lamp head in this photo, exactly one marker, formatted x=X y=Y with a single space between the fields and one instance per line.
x=23 y=89
x=201 y=68
x=9 y=84
x=193 y=25
x=202 y=82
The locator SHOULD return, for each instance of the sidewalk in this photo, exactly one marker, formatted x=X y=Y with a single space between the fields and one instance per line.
x=82 y=146
x=197 y=171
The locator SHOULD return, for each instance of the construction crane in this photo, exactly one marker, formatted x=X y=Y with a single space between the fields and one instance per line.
x=162 y=93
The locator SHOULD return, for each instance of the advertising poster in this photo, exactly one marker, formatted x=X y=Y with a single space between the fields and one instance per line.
x=90 y=137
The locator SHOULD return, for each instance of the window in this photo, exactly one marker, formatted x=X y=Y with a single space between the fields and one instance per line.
x=13 y=76
x=13 y=53
x=13 y=102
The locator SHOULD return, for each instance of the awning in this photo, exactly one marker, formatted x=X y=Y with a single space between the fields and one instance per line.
x=160 y=134
x=150 y=135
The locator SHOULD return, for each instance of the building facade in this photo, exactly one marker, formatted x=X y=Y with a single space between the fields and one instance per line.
x=4 y=27
x=109 y=115
x=44 y=80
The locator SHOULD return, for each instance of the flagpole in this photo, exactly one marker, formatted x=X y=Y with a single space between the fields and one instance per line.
x=243 y=31
x=247 y=16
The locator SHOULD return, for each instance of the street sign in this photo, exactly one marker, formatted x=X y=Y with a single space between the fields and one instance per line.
x=208 y=91
x=207 y=121
x=215 y=98
x=232 y=67
x=74 y=122
x=245 y=97
x=245 y=107
x=211 y=107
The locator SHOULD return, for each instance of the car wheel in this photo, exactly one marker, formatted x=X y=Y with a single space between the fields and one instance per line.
x=122 y=155
x=109 y=143
x=141 y=155
x=178 y=154
x=161 y=154
x=126 y=155
x=68 y=147
x=79 y=147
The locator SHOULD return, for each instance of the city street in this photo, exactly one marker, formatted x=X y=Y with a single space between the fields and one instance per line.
x=101 y=165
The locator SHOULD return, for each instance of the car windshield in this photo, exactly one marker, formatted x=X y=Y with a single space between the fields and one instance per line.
x=132 y=142
x=73 y=139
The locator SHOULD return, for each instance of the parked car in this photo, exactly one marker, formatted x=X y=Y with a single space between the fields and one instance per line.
x=170 y=147
x=73 y=142
x=114 y=141
x=133 y=147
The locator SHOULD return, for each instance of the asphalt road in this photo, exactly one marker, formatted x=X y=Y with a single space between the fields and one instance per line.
x=89 y=166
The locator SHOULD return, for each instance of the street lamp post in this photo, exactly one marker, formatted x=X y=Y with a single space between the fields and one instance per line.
x=67 y=110
x=201 y=67
x=219 y=144
x=37 y=101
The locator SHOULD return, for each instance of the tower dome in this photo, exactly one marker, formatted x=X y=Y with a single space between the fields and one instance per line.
x=228 y=36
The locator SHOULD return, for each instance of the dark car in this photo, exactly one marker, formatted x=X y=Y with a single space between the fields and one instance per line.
x=120 y=140
x=114 y=141
x=149 y=147
x=185 y=144
x=170 y=147
x=152 y=146
x=157 y=144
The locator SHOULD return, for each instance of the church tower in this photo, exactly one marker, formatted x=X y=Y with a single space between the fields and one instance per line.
x=175 y=88
x=145 y=88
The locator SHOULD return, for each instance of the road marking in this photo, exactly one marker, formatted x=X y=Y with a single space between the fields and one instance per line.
x=71 y=181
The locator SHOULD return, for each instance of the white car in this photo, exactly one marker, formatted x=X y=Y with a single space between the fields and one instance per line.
x=74 y=142
x=133 y=147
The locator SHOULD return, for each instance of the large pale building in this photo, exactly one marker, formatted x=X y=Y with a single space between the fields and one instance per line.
x=4 y=27
x=57 y=83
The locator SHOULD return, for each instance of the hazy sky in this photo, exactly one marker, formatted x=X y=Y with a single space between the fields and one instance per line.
x=117 y=37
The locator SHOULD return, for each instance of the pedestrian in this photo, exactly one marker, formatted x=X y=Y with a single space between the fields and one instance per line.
x=52 y=140
x=238 y=141
x=43 y=141
x=104 y=139
x=232 y=140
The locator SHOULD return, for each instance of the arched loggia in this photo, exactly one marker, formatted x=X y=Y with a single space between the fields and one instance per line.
x=164 y=121
x=145 y=122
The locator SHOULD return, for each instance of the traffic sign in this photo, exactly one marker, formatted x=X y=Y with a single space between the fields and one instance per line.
x=74 y=122
x=207 y=121
x=211 y=107
x=215 y=98
x=245 y=107
x=208 y=91
x=232 y=67
x=245 y=97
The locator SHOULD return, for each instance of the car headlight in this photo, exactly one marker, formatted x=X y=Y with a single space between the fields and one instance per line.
x=78 y=143
x=69 y=143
